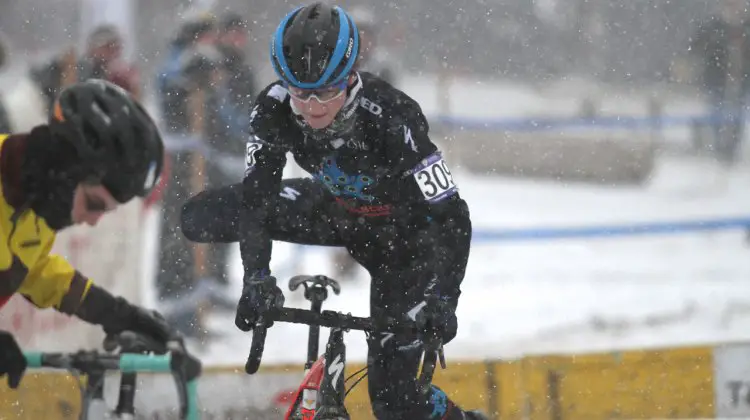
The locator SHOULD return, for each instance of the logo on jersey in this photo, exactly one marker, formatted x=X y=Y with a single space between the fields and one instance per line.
x=367 y=104
x=251 y=149
x=341 y=184
x=289 y=193
x=439 y=402
x=253 y=114
x=408 y=139
x=350 y=143
x=278 y=92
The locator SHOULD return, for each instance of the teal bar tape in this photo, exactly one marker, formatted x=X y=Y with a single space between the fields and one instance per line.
x=145 y=363
x=33 y=359
x=192 y=394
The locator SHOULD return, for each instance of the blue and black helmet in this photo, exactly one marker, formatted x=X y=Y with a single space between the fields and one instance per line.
x=315 y=46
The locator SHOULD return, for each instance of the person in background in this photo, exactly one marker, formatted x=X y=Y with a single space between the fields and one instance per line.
x=5 y=125
x=172 y=82
x=175 y=81
x=3 y=52
x=372 y=57
x=189 y=85
x=228 y=110
x=102 y=59
x=233 y=44
x=722 y=43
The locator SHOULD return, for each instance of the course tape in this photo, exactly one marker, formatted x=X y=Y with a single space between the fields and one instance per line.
x=559 y=123
x=609 y=231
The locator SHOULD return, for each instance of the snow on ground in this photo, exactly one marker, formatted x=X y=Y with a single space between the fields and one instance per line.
x=565 y=296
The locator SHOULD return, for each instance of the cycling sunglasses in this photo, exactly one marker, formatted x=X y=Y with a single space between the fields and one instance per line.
x=323 y=95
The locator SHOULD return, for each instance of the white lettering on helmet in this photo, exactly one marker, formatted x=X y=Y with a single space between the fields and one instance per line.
x=349 y=48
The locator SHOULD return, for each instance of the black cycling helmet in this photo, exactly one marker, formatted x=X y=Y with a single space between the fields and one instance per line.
x=315 y=46
x=116 y=141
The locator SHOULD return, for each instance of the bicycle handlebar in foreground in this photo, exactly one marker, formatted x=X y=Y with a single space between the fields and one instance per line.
x=185 y=369
x=328 y=319
x=331 y=319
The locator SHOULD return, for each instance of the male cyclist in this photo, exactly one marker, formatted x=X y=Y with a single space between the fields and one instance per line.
x=100 y=149
x=381 y=189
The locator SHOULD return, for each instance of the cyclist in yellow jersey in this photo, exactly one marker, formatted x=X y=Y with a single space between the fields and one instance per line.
x=99 y=149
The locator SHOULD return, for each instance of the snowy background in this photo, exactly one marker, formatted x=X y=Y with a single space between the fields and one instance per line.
x=495 y=63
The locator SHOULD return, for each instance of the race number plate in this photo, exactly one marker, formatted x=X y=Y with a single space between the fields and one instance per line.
x=434 y=179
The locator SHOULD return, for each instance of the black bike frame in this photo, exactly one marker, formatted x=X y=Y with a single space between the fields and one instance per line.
x=126 y=398
x=332 y=390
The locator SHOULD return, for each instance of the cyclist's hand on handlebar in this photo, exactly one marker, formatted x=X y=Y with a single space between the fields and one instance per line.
x=436 y=318
x=152 y=325
x=12 y=360
x=116 y=315
x=259 y=294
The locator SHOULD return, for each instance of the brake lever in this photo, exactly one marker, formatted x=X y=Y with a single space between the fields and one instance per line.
x=256 y=347
x=433 y=352
x=185 y=369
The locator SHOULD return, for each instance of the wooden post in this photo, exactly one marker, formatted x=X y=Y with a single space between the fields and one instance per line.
x=196 y=111
x=69 y=62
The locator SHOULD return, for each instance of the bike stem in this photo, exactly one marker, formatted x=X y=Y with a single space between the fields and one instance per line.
x=316 y=296
x=126 y=401
x=313 y=339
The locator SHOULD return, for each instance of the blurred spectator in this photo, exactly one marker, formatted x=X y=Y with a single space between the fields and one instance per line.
x=722 y=43
x=55 y=74
x=233 y=41
x=5 y=126
x=3 y=52
x=372 y=57
x=102 y=59
x=191 y=93
x=228 y=107
x=172 y=81
x=231 y=97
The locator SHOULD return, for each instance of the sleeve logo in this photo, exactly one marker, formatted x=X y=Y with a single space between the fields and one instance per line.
x=408 y=140
x=251 y=148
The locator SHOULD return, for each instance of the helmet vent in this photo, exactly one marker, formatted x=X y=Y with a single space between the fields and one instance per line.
x=91 y=135
x=72 y=103
x=314 y=12
x=101 y=110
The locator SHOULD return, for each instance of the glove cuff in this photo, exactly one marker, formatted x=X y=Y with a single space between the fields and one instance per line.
x=115 y=315
x=259 y=276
